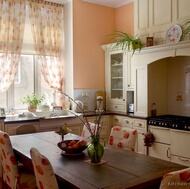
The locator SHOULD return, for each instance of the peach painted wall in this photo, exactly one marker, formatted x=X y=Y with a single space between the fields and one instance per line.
x=91 y=25
x=125 y=18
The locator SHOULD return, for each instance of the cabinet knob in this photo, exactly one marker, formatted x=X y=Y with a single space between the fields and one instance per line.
x=126 y=121
x=115 y=106
x=139 y=124
x=116 y=120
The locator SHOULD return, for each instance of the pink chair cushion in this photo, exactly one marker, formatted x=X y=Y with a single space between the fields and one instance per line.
x=45 y=177
x=176 y=179
x=13 y=174
x=123 y=137
x=85 y=131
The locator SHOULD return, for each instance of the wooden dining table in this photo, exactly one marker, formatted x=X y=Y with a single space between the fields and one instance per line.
x=119 y=169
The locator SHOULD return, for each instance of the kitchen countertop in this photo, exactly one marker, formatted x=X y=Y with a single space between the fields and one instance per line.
x=15 y=119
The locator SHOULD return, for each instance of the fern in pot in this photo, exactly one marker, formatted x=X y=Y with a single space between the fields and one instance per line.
x=126 y=41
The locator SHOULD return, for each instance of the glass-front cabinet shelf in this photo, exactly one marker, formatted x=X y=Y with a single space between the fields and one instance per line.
x=116 y=72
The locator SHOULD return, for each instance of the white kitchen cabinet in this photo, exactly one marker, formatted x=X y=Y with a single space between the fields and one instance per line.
x=139 y=124
x=2 y=124
x=140 y=89
x=130 y=73
x=161 y=148
x=115 y=78
x=153 y=18
x=105 y=123
x=53 y=124
x=10 y=128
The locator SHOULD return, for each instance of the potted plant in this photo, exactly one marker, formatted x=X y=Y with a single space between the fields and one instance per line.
x=32 y=101
x=186 y=28
x=126 y=41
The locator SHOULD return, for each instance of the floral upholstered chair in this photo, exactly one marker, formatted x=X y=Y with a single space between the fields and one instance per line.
x=123 y=137
x=45 y=177
x=176 y=180
x=14 y=176
x=85 y=131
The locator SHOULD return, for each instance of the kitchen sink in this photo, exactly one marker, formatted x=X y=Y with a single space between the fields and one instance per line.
x=52 y=114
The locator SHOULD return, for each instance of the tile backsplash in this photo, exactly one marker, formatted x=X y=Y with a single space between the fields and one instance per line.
x=88 y=97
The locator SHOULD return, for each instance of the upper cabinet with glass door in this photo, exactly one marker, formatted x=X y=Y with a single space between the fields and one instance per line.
x=115 y=81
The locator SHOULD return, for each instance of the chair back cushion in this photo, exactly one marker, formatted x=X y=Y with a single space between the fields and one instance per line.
x=8 y=161
x=85 y=131
x=123 y=137
x=45 y=177
x=176 y=179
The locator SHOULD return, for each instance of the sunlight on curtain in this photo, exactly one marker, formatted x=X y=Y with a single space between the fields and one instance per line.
x=47 y=28
x=12 y=21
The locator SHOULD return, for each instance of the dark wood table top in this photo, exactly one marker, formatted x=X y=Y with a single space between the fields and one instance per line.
x=123 y=169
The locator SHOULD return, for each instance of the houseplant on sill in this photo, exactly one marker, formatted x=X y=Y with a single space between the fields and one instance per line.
x=32 y=101
x=125 y=41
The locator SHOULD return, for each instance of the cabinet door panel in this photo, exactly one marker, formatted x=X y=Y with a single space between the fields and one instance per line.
x=161 y=151
x=180 y=160
x=180 y=143
x=161 y=135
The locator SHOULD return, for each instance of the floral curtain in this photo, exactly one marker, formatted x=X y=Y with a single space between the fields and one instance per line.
x=12 y=21
x=47 y=28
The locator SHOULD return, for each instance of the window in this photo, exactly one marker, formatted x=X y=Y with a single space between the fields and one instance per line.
x=28 y=80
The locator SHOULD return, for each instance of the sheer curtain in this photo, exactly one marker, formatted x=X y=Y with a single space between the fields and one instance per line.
x=47 y=29
x=12 y=21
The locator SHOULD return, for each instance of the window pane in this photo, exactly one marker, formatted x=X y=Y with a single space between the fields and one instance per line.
x=3 y=100
x=24 y=81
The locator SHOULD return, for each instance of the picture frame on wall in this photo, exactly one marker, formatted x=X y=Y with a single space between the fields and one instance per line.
x=149 y=41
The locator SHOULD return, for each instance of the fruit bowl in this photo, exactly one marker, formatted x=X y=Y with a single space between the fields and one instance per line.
x=72 y=146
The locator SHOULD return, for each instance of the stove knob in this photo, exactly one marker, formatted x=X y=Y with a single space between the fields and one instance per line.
x=159 y=123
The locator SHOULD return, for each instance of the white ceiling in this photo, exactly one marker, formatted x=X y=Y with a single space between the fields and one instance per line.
x=110 y=3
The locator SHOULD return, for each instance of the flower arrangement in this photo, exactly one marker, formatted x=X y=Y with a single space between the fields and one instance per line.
x=96 y=131
x=95 y=149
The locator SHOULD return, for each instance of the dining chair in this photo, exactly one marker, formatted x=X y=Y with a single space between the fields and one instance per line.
x=45 y=177
x=15 y=176
x=85 y=131
x=176 y=179
x=123 y=137
x=25 y=129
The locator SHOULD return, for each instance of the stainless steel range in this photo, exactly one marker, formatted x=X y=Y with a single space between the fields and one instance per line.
x=171 y=121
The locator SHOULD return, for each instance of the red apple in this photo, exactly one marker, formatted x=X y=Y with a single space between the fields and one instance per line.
x=72 y=142
x=81 y=143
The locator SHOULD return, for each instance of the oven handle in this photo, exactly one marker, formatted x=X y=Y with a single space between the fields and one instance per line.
x=157 y=127
x=183 y=159
x=177 y=130
x=168 y=153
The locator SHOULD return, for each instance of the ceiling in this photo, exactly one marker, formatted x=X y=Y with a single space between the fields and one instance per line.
x=110 y=3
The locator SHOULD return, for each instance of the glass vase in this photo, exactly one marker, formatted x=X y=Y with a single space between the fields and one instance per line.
x=95 y=150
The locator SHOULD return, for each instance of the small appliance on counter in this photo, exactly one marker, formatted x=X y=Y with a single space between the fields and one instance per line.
x=2 y=111
x=131 y=108
x=77 y=106
x=100 y=100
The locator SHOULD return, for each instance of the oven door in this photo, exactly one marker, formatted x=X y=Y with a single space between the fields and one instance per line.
x=180 y=141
